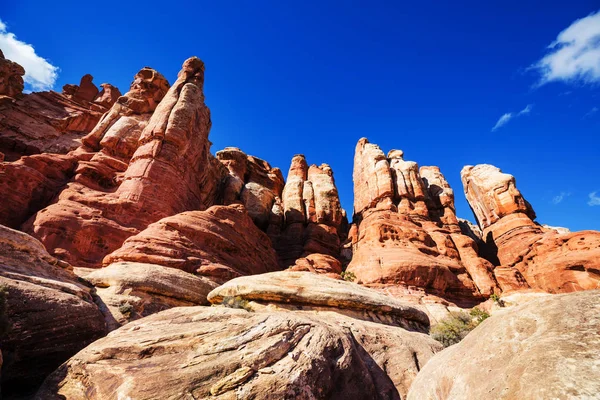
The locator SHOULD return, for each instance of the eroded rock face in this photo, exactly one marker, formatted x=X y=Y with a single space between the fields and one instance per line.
x=314 y=221
x=134 y=168
x=128 y=290
x=255 y=184
x=50 y=315
x=530 y=255
x=220 y=243
x=44 y=122
x=319 y=264
x=188 y=353
x=309 y=291
x=544 y=349
x=406 y=234
x=11 y=77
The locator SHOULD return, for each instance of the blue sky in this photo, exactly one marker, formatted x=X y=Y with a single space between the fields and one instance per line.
x=432 y=79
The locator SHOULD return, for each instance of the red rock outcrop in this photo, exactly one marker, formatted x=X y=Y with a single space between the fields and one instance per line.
x=220 y=243
x=134 y=169
x=314 y=221
x=319 y=264
x=255 y=184
x=46 y=122
x=11 y=77
x=529 y=254
x=49 y=315
x=406 y=234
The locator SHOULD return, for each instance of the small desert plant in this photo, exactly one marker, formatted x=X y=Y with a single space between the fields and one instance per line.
x=4 y=323
x=454 y=328
x=126 y=309
x=236 y=302
x=348 y=276
x=497 y=300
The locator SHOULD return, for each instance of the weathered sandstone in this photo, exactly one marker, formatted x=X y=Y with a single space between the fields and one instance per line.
x=220 y=353
x=220 y=243
x=127 y=291
x=406 y=233
x=49 y=315
x=547 y=348
x=529 y=254
x=11 y=77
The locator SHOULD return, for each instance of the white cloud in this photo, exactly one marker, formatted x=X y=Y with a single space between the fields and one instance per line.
x=526 y=110
x=594 y=200
x=508 y=116
x=593 y=111
x=558 y=199
x=574 y=55
x=39 y=73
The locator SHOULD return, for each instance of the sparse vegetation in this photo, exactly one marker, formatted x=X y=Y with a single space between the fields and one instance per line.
x=454 y=328
x=497 y=300
x=126 y=309
x=4 y=323
x=348 y=276
x=236 y=302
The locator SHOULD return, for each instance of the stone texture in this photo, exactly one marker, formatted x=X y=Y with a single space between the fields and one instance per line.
x=544 y=349
x=530 y=255
x=220 y=243
x=255 y=184
x=11 y=77
x=144 y=161
x=127 y=291
x=319 y=264
x=200 y=352
x=44 y=122
x=51 y=316
x=313 y=219
x=308 y=291
x=406 y=234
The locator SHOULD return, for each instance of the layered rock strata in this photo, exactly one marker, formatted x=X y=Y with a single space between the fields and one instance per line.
x=220 y=244
x=406 y=234
x=529 y=255
x=314 y=221
x=148 y=158
x=308 y=350
x=49 y=315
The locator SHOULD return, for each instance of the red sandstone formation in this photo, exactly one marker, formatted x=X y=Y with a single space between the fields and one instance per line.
x=255 y=184
x=46 y=122
x=220 y=243
x=134 y=169
x=529 y=254
x=319 y=264
x=314 y=222
x=406 y=233
x=11 y=77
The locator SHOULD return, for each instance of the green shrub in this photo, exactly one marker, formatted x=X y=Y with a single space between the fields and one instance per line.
x=4 y=323
x=454 y=328
x=348 y=276
x=497 y=300
x=126 y=309
x=236 y=302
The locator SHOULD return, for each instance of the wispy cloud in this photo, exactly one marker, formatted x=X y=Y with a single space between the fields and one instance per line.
x=593 y=111
x=594 y=200
x=508 y=116
x=39 y=73
x=574 y=55
x=559 y=198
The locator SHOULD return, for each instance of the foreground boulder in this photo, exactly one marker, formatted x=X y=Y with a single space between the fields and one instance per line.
x=128 y=291
x=312 y=292
x=529 y=255
x=544 y=349
x=219 y=353
x=49 y=315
